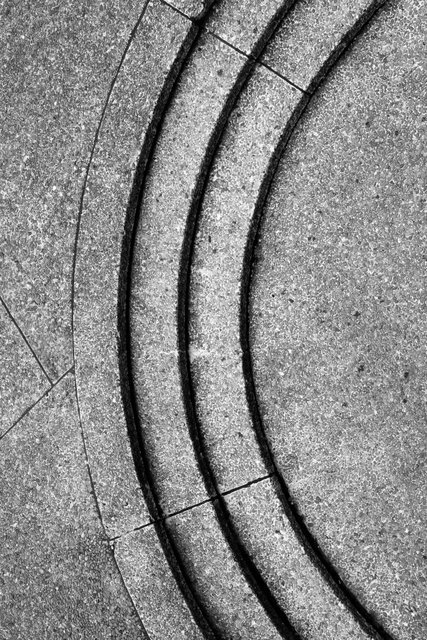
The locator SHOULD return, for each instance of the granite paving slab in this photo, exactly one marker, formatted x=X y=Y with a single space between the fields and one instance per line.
x=58 y=578
x=22 y=380
x=57 y=61
x=134 y=107
x=338 y=318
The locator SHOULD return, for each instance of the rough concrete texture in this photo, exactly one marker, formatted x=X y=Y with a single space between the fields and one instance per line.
x=310 y=33
x=153 y=588
x=244 y=24
x=57 y=61
x=313 y=608
x=85 y=93
x=192 y=8
x=179 y=155
x=58 y=577
x=22 y=381
x=339 y=324
x=224 y=222
x=125 y=128
x=217 y=578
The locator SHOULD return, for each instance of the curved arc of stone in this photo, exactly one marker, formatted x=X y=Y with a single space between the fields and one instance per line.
x=257 y=583
x=248 y=566
x=148 y=485
x=367 y=622
x=148 y=144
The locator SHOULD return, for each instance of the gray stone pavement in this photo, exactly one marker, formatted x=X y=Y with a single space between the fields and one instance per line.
x=212 y=311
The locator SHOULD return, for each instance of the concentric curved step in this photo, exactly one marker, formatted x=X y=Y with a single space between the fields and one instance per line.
x=212 y=538
x=258 y=128
x=196 y=115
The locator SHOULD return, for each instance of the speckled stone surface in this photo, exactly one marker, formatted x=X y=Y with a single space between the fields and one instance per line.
x=22 y=381
x=58 y=578
x=153 y=588
x=243 y=23
x=179 y=155
x=225 y=219
x=310 y=33
x=312 y=607
x=216 y=576
x=339 y=319
x=144 y=75
x=194 y=9
x=57 y=61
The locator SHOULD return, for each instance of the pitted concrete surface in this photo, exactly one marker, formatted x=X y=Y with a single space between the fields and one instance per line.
x=212 y=300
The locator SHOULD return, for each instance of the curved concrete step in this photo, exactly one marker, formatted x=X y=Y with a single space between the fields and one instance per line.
x=196 y=115
x=145 y=78
x=238 y=181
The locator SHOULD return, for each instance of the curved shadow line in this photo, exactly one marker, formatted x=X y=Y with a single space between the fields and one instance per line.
x=246 y=563
x=130 y=404
x=366 y=620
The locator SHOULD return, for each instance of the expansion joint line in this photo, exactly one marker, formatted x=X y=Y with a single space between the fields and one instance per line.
x=251 y=57
x=212 y=499
x=39 y=399
x=26 y=341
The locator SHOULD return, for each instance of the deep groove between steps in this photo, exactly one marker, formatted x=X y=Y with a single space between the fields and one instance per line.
x=130 y=403
x=366 y=620
x=247 y=565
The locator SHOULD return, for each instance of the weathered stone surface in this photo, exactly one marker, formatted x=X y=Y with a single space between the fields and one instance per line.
x=243 y=23
x=58 y=578
x=225 y=220
x=22 y=381
x=57 y=61
x=311 y=32
x=217 y=578
x=339 y=324
x=153 y=588
x=147 y=70
x=310 y=604
x=171 y=185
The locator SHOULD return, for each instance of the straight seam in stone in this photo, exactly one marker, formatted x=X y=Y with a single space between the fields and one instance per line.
x=53 y=385
x=181 y=13
x=279 y=75
x=256 y=60
x=27 y=342
x=194 y=506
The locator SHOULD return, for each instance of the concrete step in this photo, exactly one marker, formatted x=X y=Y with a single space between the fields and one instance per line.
x=206 y=557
